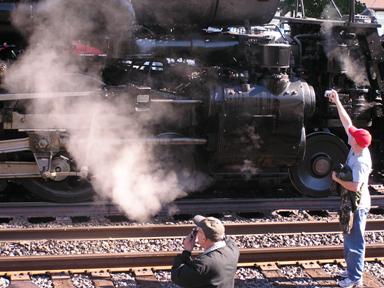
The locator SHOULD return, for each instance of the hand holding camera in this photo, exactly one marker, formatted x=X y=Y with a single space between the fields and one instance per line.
x=332 y=95
x=193 y=233
x=190 y=240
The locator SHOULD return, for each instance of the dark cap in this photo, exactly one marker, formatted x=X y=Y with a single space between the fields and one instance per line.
x=212 y=227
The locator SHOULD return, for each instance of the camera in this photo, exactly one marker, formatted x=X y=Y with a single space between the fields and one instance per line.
x=194 y=232
x=327 y=93
x=343 y=172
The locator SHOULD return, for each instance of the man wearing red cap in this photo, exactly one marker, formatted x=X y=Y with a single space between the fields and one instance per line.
x=359 y=160
x=216 y=266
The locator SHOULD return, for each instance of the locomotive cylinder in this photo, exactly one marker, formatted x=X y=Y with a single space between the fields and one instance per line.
x=260 y=126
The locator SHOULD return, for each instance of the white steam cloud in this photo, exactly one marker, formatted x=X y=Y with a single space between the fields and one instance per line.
x=350 y=65
x=103 y=133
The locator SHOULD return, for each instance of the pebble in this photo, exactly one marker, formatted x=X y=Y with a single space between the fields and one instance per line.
x=245 y=277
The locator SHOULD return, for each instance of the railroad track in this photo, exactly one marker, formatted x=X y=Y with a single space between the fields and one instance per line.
x=163 y=260
x=180 y=207
x=161 y=231
x=143 y=266
x=268 y=260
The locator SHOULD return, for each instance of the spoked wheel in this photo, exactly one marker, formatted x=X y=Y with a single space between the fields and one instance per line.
x=64 y=189
x=311 y=177
x=72 y=189
x=61 y=188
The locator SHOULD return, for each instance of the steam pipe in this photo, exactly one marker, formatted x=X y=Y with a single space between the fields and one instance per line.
x=174 y=141
x=302 y=9
x=176 y=101
x=147 y=45
x=47 y=95
x=337 y=8
x=351 y=11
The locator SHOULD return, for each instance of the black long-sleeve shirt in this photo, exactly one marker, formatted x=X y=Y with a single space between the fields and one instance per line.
x=213 y=269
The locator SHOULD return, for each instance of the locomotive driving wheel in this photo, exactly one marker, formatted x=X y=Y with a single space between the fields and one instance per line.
x=71 y=189
x=61 y=189
x=312 y=176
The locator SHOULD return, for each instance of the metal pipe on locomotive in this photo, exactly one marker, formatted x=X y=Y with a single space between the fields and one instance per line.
x=251 y=93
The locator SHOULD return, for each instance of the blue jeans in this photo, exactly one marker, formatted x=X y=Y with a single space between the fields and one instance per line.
x=354 y=245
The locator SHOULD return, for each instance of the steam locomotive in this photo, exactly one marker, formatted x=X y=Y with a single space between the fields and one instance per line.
x=242 y=87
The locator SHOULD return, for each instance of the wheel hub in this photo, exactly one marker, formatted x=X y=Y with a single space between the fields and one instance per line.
x=321 y=165
x=60 y=164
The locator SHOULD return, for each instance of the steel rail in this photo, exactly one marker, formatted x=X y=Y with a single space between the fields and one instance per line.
x=165 y=259
x=178 y=207
x=161 y=231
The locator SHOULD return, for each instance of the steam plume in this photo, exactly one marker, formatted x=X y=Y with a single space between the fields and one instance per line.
x=103 y=132
x=350 y=64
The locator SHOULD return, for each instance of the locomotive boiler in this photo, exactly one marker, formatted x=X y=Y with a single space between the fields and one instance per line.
x=242 y=90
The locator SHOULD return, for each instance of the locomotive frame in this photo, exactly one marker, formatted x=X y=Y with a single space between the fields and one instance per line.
x=250 y=95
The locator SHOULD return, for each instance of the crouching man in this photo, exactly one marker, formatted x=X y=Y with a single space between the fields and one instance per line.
x=215 y=266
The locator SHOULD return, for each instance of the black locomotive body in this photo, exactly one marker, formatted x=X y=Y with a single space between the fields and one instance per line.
x=243 y=96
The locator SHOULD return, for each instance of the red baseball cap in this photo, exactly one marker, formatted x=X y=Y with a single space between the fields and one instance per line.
x=363 y=137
